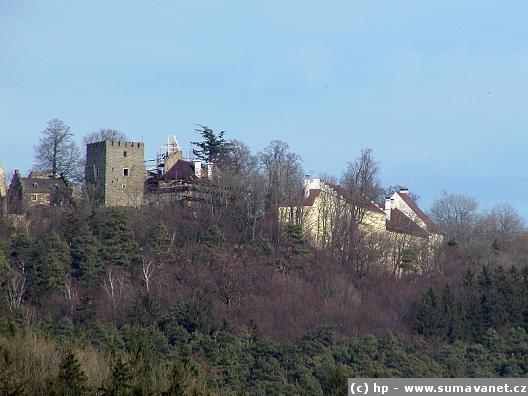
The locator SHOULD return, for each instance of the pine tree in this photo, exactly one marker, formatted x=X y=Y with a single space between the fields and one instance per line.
x=409 y=261
x=516 y=300
x=120 y=382
x=117 y=244
x=450 y=318
x=213 y=238
x=468 y=278
x=85 y=257
x=71 y=379
x=48 y=267
x=160 y=242
x=295 y=240
x=213 y=147
x=427 y=317
x=10 y=382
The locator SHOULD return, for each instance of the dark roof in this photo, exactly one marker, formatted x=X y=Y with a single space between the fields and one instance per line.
x=40 y=175
x=36 y=185
x=431 y=227
x=180 y=170
x=399 y=222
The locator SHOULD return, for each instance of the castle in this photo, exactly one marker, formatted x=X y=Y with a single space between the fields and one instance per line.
x=115 y=172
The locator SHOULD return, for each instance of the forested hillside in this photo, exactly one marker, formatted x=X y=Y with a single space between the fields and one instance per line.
x=221 y=298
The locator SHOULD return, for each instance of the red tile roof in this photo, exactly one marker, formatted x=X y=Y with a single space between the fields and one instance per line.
x=431 y=227
x=310 y=199
x=180 y=170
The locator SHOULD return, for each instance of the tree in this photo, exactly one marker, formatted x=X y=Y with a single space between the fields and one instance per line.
x=57 y=153
x=48 y=268
x=238 y=159
x=283 y=174
x=86 y=263
x=242 y=203
x=361 y=181
x=104 y=134
x=118 y=246
x=71 y=379
x=213 y=147
x=506 y=223
x=397 y=187
x=455 y=214
x=428 y=315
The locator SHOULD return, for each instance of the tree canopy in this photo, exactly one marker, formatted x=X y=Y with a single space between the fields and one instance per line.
x=213 y=147
x=104 y=134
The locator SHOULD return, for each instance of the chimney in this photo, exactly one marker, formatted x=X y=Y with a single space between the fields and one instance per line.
x=210 y=167
x=389 y=203
x=306 y=185
x=197 y=167
x=404 y=190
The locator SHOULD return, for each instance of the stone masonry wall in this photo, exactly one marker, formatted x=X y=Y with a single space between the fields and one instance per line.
x=117 y=170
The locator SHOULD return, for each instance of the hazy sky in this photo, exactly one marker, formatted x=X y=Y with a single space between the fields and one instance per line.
x=438 y=89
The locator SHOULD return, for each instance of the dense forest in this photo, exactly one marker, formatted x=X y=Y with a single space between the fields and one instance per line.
x=218 y=297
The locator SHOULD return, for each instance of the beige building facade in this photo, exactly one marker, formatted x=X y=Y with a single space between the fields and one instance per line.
x=3 y=188
x=393 y=232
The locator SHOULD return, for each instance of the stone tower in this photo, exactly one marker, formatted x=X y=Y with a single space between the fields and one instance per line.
x=173 y=153
x=116 y=171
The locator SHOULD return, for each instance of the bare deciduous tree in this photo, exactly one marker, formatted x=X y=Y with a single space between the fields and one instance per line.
x=16 y=287
x=506 y=222
x=149 y=268
x=397 y=187
x=361 y=182
x=104 y=134
x=455 y=214
x=113 y=285
x=57 y=152
x=71 y=293
x=284 y=178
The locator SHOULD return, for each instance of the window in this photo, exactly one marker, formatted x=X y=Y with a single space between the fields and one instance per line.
x=123 y=186
x=124 y=153
x=125 y=172
x=47 y=197
x=96 y=171
x=34 y=197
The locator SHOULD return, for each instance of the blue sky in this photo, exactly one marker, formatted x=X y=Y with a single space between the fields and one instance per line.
x=438 y=89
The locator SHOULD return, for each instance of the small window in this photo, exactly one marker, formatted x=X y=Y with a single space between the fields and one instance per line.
x=123 y=186
x=34 y=197
x=124 y=153
x=125 y=172
x=96 y=171
x=47 y=198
